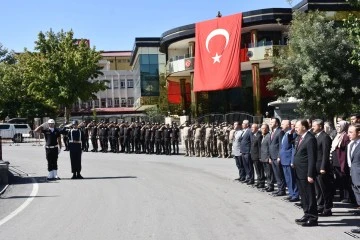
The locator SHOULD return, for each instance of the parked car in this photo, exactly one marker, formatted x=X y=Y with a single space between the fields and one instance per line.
x=16 y=132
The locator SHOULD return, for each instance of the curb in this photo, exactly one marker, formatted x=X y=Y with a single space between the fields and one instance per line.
x=3 y=188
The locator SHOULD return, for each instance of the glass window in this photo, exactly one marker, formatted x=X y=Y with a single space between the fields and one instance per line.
x=145 y=68
x=123 y=102
x=109 y=102
x=122 y=83
x=153 y=58
x=154 y=69
x=20 y=126
x=130 y=83
x=108 y=84
x=116 y=84
x=130 y=102
x=96 y=103
x=116 y=102
x=144 y=59
x=4 y=126
x=103 y=102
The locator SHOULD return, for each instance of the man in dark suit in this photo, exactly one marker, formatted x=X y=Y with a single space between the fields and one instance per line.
x=286 y=155
x=275 y=139
x=323 y=183
x=353 y=152
x=265 y=156
x=256 y=138
x=245 y=146
x=305 y=170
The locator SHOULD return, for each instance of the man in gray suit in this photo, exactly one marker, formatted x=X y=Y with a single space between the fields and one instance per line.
x=265 y=156
x=237 y=153
x=353 y=155
x=275 y=140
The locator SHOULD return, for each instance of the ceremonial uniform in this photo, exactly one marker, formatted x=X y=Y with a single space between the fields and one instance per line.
x=75 y=140
x=52 y=150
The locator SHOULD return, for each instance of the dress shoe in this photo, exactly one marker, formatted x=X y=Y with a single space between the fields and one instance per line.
x=250 y=183
x=357 y=230
x=270 y=190
x=73 y=176
x=280 y=194
x=78 y=176
x=326 y=213
x=346 y=201
x=237 y=179
x=298 y=204
x=288 y=198
x=294 y=200
x=310 y=223
x=260 y=186
x=302 y=220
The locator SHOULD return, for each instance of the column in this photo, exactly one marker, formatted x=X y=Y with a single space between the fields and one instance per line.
x=183 y=93
x=191 y=49
x=256 y=88
x=194 y=98
x=254 y=37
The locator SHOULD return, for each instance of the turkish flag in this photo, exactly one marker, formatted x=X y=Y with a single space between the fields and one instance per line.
x=217 y=53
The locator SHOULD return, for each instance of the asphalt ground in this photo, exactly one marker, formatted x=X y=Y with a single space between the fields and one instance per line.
x=137 y=196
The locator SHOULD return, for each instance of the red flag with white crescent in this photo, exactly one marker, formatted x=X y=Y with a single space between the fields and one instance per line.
x=217 y=53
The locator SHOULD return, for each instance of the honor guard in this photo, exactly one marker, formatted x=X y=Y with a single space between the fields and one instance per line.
x=75 y=140
x=93 y=135
x=84 y=129
x=175 y=138
x=52 y=146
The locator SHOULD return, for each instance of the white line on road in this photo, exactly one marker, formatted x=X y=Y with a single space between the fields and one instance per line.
x=25 y=204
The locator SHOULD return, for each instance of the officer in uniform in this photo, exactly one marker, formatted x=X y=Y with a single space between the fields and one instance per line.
x=75 y=140
x=52 y=146
x=121 y=136
x=93 y=131
x=175 y=138
x=85 y=131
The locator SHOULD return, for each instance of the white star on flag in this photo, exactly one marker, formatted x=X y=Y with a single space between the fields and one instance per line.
x=216 y=58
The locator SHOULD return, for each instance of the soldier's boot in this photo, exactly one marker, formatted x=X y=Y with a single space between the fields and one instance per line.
x=50 y=176
x=55 y=175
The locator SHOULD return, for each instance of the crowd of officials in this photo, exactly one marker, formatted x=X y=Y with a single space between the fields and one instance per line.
x=307 y=160
x=307 y=157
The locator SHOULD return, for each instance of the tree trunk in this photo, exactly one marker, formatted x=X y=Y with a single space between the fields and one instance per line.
x=67 y=114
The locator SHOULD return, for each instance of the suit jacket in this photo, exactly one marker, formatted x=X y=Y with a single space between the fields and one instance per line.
x=286 y=149
x=305 y=157
x=255 y=146
x=355 y=165
x=245 y=141
x=264 y=150
x=236 y=143
x=275 y=143
x=323 y=152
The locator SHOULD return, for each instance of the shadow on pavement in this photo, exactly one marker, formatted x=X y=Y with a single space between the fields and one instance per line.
x=19 y=197
x=341 y=223
x=94 y=178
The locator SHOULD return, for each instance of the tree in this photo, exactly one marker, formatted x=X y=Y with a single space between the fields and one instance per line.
x=60 y=69
x=352 y=25
x=315 y=67
x=6 y=56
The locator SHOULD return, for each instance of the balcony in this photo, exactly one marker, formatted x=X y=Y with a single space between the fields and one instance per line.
x=263 y=51
x=180 y=64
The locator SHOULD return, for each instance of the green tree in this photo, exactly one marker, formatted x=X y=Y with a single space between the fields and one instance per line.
x=60 y=69
x=315 y=67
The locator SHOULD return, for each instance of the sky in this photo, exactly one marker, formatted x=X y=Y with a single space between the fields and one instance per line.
x=111 y=25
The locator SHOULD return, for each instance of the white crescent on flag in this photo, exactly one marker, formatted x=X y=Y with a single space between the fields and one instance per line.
x=214 y=33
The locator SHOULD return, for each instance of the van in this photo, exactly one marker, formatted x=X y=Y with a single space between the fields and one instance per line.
x=14 y=131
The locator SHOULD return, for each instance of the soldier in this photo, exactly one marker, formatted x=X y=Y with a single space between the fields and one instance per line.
x=209 y=140
x=152 y=138
x=85 y=131
x=103 y=137
x=175 y=138
x=214 y=140
x=93 y=132
x=127 y=137
x=198 y=132
x=121 y=136
x=137 y=136
x=142 y=137
x=226 y=131
x=65 y=138
x=167 y=139
x=52 y=146
x=192 y=140
x=220 y=137
x=186 y=137
x=75 y=141
x=158 y=137
x=111 y=135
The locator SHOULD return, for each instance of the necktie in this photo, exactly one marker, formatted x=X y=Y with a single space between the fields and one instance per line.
x=300 y=140
x=272 y=135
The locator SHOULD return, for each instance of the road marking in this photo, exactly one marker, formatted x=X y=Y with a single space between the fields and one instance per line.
x=25 y=204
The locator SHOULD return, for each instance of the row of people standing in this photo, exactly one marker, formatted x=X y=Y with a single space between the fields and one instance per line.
x=135 y=137
x=300 y=156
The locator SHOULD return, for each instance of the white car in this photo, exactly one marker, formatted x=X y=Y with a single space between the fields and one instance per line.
x=15 y=131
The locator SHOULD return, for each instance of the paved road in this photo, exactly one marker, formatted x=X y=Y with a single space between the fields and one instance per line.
x=149 y=197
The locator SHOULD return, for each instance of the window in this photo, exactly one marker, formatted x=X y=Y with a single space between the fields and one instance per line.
x=96 y=103
x=116 y=102
x=122 y=83
x=116 y=84
x=109 y=102
x=103 y=102
x=153 y=58
x=21 y=126
x=4 y=126
x=108 y=84
x=130 y=83
x=130 y=102
x=123 y=102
